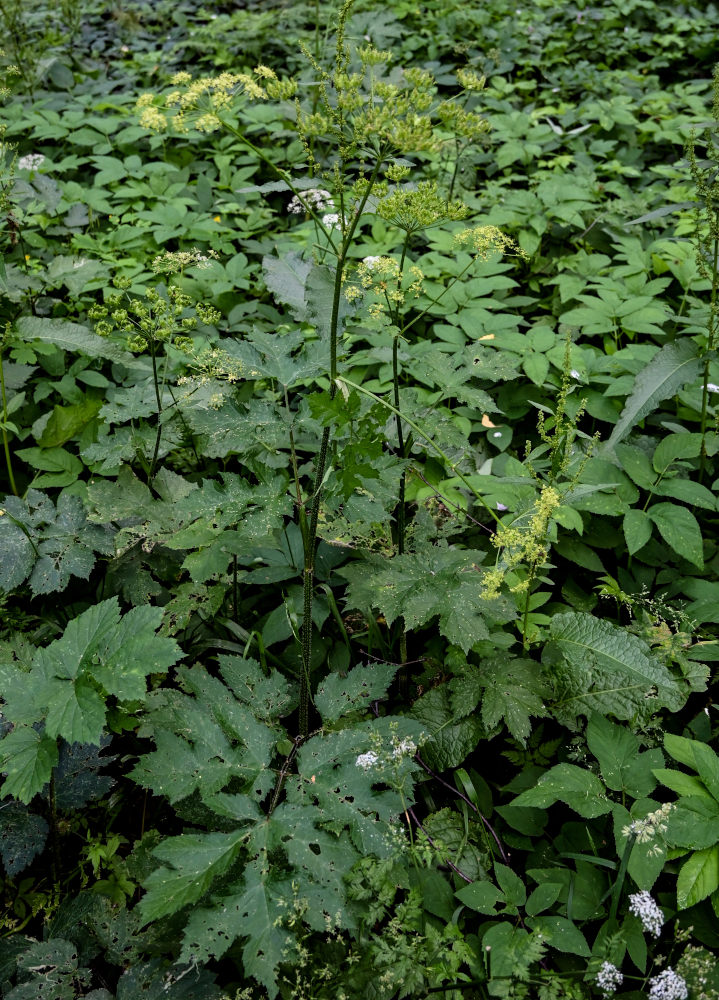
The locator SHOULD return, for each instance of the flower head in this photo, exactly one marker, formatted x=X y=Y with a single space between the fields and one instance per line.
x=642 y=905
x=34 y=160
x=367 y=760
x=609 y=978
x=314 y=198
x=668 y=985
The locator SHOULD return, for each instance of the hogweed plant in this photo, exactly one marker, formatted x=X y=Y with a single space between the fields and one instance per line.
x=359 y=127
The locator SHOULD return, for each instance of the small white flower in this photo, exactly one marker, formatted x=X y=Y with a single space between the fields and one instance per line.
x=643 y=906
x=497 y=434
x=316 y=198
x=712 y=387
x=406 y=746
x=31 y=162
x=331 y=219
x=367 y=760
x=575 y=374
x=668 y=985
x=371 y=262
x=609 y=978
x=501 y=506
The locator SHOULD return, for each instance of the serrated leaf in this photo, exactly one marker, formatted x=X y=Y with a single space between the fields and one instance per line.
x=452 y=739
x=671 y=368
x=195 y=860
x=22 y=836
x=480 y=896
x=70 y=337
x=637 y=528
x=28 y=757
x=337 y=696
x=575 y=786
x=674 y=447
x=698 y=877
x=694 y=823
x=597 y=666
x=418 y=586
x=698 y=756
x=680 y=530
x=561 y=934
x=286 y=278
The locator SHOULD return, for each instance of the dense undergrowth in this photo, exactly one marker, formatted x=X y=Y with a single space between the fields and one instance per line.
x=358 y=554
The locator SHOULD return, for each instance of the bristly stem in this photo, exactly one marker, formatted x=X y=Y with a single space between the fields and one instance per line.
x=5 y=441
x=310 y=541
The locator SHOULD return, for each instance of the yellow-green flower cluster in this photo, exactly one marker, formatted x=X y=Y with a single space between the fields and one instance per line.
x=204 y=100
x=175 y=262
x=384 y=278
x=522 y=545
x=215 y=364
x=461 y=122
x=416 y=208
x=483 y=241
x=152 y=320
x=469 y=80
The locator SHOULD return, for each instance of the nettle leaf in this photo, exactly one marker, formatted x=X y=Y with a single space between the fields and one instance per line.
x=596 y=666
x=28 y=757
x=509 y=688
x=676 y=364
x=22 y=836
x=453 y=739
x=575 y=786
x=286 y=277
x=337 y=695
x=48 y=544
x=77 y=778
x=419 y=586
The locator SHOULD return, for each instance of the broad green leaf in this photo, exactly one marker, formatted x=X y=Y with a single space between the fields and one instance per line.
x=18 y=553
x=623 y=768
x=694 y=822
x=561 y=934
x=452 y=739
x=67 y=421
x=70 y=337
x=681 y=783
x=687 y=492
x=254 y=913
x=636 y=465
x=338 y=696
x=480 y=896
x=674 y=447
x=22 y=836
x=669 y=370
x=418 y=586
x=286 y=277
x=60 y=466
x=698 y=756
x=542 y=898
x=597 y=666
x=194 y=860
x=575 y=786
x=28 y=758
x=698 y=877
x=680 y=530
x=637 y=527
x=509 y=688
x=511 y=884
x=647 y=859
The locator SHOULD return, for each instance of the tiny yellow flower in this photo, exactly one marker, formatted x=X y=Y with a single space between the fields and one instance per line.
x=216 y=218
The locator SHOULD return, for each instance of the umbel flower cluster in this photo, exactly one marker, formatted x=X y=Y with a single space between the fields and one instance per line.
x=202 y=102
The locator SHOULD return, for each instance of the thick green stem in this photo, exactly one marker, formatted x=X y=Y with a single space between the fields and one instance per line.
x=5 y=441
x=158 y=435
x=310 y=539
x=713 y=321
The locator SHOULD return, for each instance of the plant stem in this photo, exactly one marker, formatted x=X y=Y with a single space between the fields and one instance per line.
x=712 y=331
x=5 y=441
x=153 y=354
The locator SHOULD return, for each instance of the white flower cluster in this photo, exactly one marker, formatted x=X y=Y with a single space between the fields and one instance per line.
x=643 y=906
x=668 y=985
x=316 y=198
x=331 y=219
x=609 y=978
x=712 y=387
x=31 y=162
x=370 y=262
x=404 y=747
x=367 y=760
x=652 y=825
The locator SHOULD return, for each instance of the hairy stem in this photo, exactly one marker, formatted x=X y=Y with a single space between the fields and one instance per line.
x=5 y=441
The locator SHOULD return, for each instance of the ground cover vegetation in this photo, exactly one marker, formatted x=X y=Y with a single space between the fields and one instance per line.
x=358 y=554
